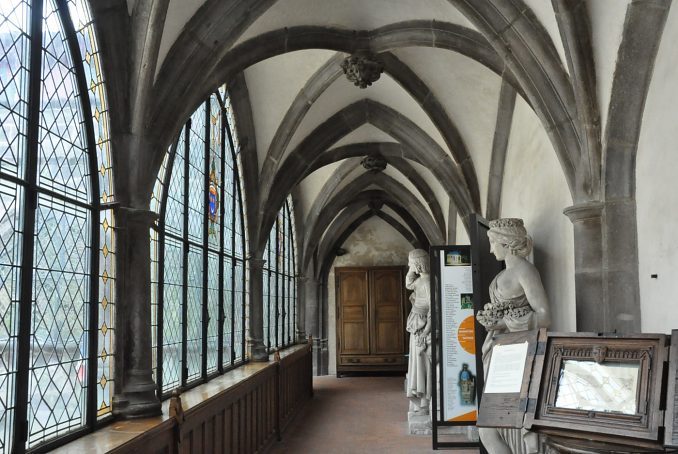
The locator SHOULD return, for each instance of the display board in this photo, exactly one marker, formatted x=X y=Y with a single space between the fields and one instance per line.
x=453 y=346
x=458 y=353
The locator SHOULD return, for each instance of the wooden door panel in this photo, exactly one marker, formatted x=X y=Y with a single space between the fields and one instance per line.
x=386 y=306
x=352 y=314
x=386 y=337
x=354 y=339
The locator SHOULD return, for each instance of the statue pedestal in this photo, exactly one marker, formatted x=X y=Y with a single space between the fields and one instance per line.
x=418 y=424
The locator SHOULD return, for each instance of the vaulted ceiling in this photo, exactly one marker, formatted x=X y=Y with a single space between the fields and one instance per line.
x=440 y=114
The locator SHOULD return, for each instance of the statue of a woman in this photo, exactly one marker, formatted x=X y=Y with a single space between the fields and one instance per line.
x=518 y=303
x=419 y=326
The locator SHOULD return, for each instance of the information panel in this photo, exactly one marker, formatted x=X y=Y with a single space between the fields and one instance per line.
x=458 y=358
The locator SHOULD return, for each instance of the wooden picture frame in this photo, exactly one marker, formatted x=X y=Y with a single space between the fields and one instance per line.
x=646 y=353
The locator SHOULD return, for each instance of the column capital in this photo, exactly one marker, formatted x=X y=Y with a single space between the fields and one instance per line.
x=585 y=210
x=137 y=215
x=302 y=278
x=255 y=263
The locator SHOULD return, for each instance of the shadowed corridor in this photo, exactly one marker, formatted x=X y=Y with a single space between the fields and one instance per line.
x=354 y=415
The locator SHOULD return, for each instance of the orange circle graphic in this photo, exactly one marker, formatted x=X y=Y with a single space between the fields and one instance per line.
x=466 y=334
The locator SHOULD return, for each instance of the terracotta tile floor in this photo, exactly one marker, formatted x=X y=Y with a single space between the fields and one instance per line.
x=353 y=415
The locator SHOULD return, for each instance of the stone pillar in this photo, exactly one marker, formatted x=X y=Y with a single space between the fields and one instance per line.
x=136 y=394
x=312 y=325
x=311 y=297
x=622 y=283
x=323 y=347
x=606 y=267
x=301 y=308
x=255 y=341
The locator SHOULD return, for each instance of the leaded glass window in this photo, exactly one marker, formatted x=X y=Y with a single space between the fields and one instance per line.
x=198 y=252
x=57 y=242
x=279 y=288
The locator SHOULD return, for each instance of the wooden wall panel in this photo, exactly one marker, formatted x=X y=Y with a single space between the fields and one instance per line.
x=244 y=419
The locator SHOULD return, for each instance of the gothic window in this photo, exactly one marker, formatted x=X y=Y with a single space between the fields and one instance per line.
x=56 y=226
x=279 y=288
x=197 y=252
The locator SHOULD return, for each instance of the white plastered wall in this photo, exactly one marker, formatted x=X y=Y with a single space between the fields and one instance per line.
x=656 y=197
x=535 y=189
x=374 y=243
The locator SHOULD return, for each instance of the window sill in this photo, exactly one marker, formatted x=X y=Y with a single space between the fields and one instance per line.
x=120 y=432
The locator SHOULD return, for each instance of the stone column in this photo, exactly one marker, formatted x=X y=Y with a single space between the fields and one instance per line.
x=312 y=325
x=255 y=341
x=136 y=392
x=606 y=267
x=301 y=308
x=323 y=346
x=587 y=221
x=311 y=297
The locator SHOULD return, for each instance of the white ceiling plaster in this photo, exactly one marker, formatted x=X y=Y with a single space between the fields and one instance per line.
x=607 y=25
x=351 y=14
x=538 y=193
x=178 y=14
x=544 y=12
x=469 y=93
x=312 y=184
x=656 y=167
x=365 y=133
x=343 y=93
x=273 y=85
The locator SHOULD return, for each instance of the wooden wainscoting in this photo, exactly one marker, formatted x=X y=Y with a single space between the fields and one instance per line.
x=244 y=411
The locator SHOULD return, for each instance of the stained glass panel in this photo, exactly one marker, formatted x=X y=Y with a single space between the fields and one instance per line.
x=213 y=311
x=196 y=176
x=65 y=297
x=10 y=259
x=106 y=318
x=228 y=311
x=59 y=336
x=194 y=319
x=211 y=178
x=174 y=215
x=238 y=326
x=172 y=320
x=94 y=81
x=155 y=298
x=215 y=177
x=14 y=47
x=62 y=154
x=267 y=308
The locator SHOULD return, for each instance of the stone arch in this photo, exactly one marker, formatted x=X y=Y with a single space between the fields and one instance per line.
x=407 y=79
x=401 y=165
x=527 y=50
x=194 y=80
x=318 y=225
x=348 y=119
x=326 y=257
x=372 y=200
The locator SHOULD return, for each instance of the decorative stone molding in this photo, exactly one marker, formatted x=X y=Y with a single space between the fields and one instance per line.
x=374 y=163
x=583 y=211
x=362 y=68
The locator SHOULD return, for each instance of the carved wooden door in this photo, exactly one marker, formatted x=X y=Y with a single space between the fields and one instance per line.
x=370 y=318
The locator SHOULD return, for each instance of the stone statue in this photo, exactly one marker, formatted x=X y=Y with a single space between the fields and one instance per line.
x=419 y=326
x=518 y=303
